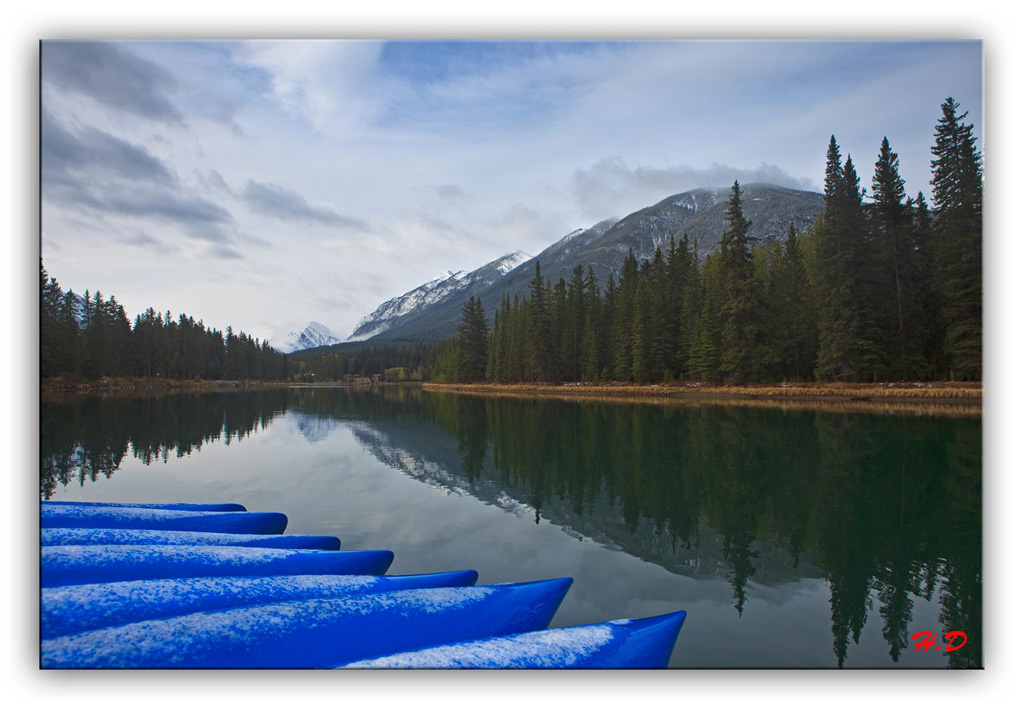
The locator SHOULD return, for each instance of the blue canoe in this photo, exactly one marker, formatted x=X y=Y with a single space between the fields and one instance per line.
x=314 y=633
x=73 y=565
x=71 y=536
x=619 y=644
x=155 y=518
x=188 y=506
x=75 y=609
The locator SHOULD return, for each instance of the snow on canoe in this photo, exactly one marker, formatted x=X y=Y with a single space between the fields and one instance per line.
x=75 y=609
x=72 y=565
x=188 y=506
x=65 y=536
x=151 y=518
x=316 y=632
x=619 y=644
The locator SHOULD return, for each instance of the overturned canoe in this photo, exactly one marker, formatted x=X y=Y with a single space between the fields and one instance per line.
x=155 y=518
x=188 y=506
x=72 y=536
x=73 y=565
x=75 y=609
x=316 y=632
x=618 y=644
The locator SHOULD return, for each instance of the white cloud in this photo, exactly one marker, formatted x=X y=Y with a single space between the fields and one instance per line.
x=611 y=187
x=332 y=85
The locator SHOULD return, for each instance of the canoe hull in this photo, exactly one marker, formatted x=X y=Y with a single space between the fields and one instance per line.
x=150 y=518
x=75 y=609
x=313 y=633
x=74 y=565
x=646 y=643
x=187 y=506
x=73 y=536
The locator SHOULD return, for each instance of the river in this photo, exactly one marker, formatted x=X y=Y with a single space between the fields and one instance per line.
x=792 y=537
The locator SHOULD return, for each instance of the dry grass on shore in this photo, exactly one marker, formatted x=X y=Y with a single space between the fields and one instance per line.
x=932 y=398
x=839 y=390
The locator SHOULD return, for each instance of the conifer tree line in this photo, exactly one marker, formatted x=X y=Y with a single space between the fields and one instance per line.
x=880 y=288
x=405 y=363
x=155 y=345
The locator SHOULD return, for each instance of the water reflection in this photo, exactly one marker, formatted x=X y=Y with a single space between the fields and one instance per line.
x=885 y=509
x=87 y=437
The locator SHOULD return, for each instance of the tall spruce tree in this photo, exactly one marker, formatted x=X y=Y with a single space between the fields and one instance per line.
x=689 y=308
x=801 y=337
x=658 y=305
x=705 y=355
x=839 y=261
x=590 y=355
x=50 y=301
x=640 y=364
x=472 y=342
x=894 y=264
x=957 y=195
x=625 y=301
x=741 y=332
x=539 y=333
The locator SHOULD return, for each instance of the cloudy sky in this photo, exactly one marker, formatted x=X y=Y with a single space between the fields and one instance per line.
x=267 y=184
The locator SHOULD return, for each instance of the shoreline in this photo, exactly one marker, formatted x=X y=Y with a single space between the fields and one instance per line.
x=153 y=385
x=950 y=398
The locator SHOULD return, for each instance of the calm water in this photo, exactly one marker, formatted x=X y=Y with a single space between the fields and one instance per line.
x=792 y=539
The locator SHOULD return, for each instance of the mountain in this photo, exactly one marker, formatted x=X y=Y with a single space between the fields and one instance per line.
x=78 y=309
x=445 y=287
x=419 y=316
x=314 y=335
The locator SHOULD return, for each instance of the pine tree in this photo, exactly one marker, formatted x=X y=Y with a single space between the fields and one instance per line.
x=839 y=261
x=741 y=332
x=705 y=355
x=607 y=334
x=625 y=301
x=70 y=337
x=659 y=330
x=801 y=337
x=640 y=369
x=897 y=294
x=773 y=315
x=472 y=342
x=689 y=308
x=590 y=354
x=957 y=195
x=50 y=301
x=575 y=316
x=538 y=334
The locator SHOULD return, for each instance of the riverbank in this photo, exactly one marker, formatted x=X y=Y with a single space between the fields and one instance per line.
x=955 y=398
x=151 y=384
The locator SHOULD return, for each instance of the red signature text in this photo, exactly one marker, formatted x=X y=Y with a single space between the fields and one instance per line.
x=925 y=640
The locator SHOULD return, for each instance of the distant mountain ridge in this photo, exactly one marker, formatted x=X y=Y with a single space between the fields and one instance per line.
x=433 y=311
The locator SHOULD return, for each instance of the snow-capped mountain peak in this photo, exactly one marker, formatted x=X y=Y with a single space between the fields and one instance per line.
x=444 y=286
x=314 y=335
x=512 y=260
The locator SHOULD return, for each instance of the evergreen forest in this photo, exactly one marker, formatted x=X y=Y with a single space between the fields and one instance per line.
x=92 y=338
